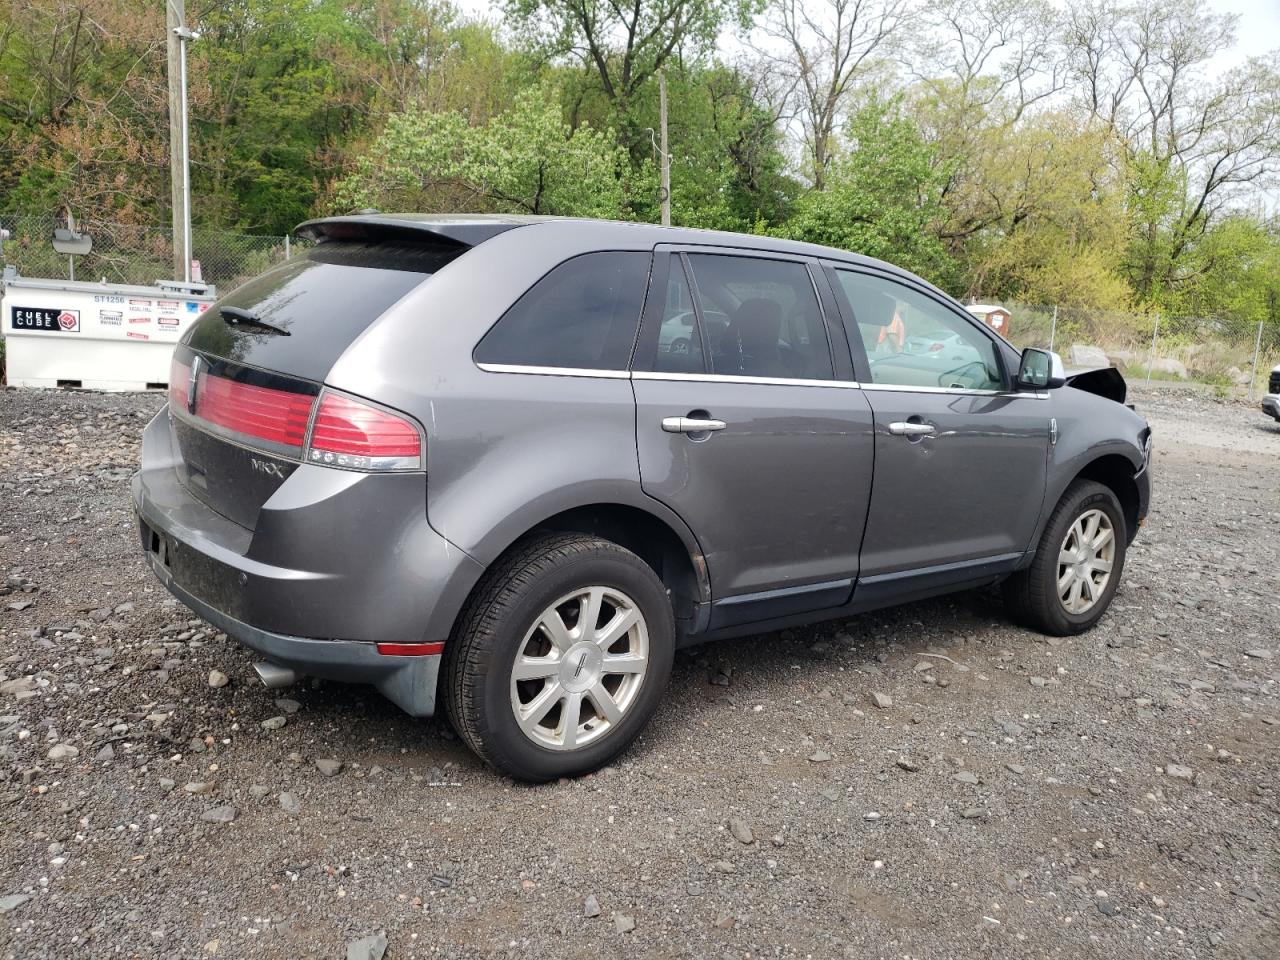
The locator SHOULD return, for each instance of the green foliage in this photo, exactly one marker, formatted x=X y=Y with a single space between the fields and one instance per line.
x=1105 y=197
x=883 y=196
x=524 y=160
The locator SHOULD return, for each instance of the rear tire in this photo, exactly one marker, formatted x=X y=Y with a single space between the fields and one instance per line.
x=535 y=690
x=1077 y=565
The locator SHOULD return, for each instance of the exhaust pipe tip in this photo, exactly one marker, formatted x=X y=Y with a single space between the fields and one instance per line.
x=274 y=676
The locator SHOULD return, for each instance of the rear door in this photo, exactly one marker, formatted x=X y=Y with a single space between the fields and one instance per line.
x=960 y=457
x=749 y=425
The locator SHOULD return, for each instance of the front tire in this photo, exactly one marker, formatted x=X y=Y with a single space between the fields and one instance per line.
x=1077 y=566
x=560 y=658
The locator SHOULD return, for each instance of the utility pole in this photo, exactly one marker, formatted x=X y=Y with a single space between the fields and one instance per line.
x=185 y=36
x=666 y=157
x=175 y=20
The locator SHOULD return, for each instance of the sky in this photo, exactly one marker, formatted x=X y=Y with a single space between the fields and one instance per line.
x=1259 y=28
x=1258 y=31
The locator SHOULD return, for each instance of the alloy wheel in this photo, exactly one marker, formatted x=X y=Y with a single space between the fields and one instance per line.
x=579 y=668
x=1085 y=560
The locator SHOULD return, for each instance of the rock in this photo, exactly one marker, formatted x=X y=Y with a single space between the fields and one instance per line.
x=197 y=787
x=1175 y=368
x=1087 y=357
x=273 y=723
x=63 y=751
x=106 y=754
x=218 y=679
x=1259 y=654
x=285 y=705
x=819 y=756
x=882 y=700
x=591 y=908
x=723 y=866
x=741 y=830
x=1107 y=908
x=166 y=784
x=1016 y=769
x=330 y=768
x=223 y=814
x=371 y=947
x=974 y=813
x=258 y=791
x=967 y=776
x=622 y=923
x=1180 y=772
x=907 y=764
x=13 y=901
x=290 y=803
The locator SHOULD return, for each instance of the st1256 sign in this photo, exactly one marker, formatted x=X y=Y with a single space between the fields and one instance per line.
x=50 y=319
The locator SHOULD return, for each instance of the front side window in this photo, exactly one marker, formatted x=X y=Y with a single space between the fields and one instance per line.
x=913 y=341
x=582 y=314
x=761 y=317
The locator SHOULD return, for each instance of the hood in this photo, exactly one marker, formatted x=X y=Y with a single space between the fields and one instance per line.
x=1104 y=381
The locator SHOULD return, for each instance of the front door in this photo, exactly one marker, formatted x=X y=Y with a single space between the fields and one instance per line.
x=749 y=427
x=960 y=458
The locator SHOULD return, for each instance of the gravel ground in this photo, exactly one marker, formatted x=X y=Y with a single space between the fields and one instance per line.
x=923 y=782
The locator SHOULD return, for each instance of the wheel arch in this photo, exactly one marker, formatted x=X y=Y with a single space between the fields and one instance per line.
x=1116 y=472
x=665 y=544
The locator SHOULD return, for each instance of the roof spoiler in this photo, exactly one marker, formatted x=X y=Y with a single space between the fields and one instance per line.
x=446 y=231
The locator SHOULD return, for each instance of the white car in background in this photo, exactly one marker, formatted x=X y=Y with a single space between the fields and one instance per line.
x=1271 y=402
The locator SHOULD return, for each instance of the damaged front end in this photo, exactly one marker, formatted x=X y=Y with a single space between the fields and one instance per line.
x=1106 y=382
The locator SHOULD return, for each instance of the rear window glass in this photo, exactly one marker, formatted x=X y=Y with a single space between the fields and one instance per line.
x=324 y=299
x=582 y=314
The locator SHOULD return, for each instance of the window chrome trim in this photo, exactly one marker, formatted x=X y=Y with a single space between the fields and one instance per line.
x=956 y=391
x=554 y=371
x=734 y=378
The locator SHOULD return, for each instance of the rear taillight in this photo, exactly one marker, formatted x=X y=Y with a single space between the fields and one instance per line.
x=277 y=416
x=344 y=432
x=359 y=436
x=179 y=382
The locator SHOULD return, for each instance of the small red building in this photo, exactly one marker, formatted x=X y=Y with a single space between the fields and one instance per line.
x=993 y=315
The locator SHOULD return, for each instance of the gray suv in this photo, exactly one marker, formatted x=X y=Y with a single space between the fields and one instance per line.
x=512 y=464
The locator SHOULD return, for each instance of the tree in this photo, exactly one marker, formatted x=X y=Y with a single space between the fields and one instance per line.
x=525 y=160
x=625 y=44
x=1192 y=144
x=824 y=48
x=883 y=197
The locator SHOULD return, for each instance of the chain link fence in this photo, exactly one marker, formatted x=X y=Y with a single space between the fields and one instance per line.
x=1229 y=355
x=131 y=253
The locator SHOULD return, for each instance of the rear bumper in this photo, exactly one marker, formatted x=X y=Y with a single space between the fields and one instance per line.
x=1271 y=405
x=408 y=682
x=337 y=563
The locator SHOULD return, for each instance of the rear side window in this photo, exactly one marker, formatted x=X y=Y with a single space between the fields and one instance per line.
x=761 y=317
x=583 y=314
x=323 y=300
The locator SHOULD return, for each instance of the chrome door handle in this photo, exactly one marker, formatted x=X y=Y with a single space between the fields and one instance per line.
x=691 y=425
x=904 y=429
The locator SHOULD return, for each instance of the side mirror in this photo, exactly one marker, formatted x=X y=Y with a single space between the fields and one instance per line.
x=1040 y=370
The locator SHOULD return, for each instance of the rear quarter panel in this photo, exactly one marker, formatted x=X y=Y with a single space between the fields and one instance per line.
x=505 y=451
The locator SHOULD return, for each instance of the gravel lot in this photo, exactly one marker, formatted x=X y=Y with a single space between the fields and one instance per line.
x=1116 y=794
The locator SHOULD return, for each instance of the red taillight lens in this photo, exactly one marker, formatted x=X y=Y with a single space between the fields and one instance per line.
x=359 y=436
x=276 y=416
x=179 y=382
